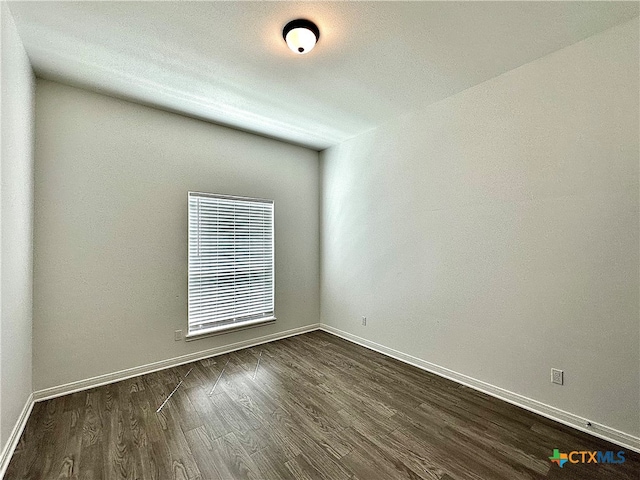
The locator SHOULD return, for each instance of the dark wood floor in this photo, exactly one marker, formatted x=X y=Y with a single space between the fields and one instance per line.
x=317 y=407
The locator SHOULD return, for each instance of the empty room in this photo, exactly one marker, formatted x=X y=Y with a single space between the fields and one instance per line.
x=319 y=240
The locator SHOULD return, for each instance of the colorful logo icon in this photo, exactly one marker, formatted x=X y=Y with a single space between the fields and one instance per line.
x=559 y=458
x=584 y=456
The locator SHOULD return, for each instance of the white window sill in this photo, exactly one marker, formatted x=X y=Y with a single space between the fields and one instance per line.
x=209 y=332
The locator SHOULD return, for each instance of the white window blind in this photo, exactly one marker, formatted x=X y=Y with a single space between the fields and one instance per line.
x=231 y=274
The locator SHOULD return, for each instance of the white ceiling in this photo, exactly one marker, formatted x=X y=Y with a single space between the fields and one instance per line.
x=226 y=62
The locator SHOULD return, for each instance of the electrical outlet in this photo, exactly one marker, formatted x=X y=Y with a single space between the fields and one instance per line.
x=177 y=335
x=557 y=376
x=364 y=321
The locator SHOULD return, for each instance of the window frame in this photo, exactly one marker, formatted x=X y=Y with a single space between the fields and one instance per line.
x=239 y=325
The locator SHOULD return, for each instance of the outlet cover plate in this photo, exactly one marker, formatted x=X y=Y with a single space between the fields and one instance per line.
x=557 y=376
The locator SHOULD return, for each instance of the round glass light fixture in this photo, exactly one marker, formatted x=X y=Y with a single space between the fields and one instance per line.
x=301 y=35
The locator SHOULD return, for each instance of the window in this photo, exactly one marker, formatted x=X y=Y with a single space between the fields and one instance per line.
x=231 y=274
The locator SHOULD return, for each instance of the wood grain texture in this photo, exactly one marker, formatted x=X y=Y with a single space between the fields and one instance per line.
x=317 y=407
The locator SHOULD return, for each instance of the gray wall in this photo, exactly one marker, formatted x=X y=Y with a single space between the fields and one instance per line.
x=110 y=245
x=495 y=233
x=16 y=222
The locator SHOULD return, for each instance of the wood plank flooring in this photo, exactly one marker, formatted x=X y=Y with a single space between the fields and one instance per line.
x=317 y=407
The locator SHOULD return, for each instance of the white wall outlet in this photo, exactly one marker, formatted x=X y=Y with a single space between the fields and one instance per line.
x=177 y=335
x=364 y=321
x=557 y=376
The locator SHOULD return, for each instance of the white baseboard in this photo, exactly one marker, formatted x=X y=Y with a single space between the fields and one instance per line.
x=12 y=442
x=105 y=379
x=598 y=430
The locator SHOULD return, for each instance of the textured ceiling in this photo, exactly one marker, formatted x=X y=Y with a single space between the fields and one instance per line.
x=226 y=62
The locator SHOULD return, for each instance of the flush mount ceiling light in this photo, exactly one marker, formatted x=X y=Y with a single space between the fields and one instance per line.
x=301 y=35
